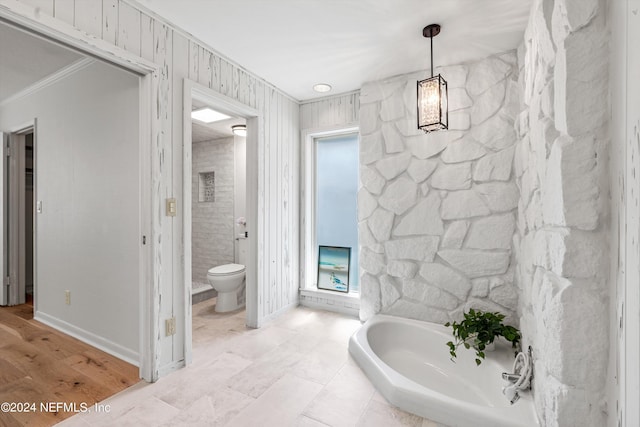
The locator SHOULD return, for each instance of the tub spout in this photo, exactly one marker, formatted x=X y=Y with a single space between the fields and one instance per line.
x=512 y=378
x=511 y=394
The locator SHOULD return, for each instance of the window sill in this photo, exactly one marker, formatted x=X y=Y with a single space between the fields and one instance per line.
x=338 y=296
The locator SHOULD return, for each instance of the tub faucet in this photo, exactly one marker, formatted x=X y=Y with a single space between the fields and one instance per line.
x=521 y=380
x=512 y=378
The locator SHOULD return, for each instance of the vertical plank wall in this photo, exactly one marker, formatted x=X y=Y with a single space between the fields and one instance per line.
x=630 y=234
x=625 y=213
x=617 y=71
x=124 y=25
x=331 y=111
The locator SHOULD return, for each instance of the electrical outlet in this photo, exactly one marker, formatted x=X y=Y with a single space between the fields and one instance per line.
x=170 y=326
x=67 y=297
x=172 y=207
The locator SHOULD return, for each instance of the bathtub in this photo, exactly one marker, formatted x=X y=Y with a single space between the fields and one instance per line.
x=408 y=362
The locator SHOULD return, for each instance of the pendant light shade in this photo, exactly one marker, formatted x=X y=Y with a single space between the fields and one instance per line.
x=433 y=109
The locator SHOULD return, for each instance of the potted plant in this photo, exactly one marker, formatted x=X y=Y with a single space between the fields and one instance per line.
x=478 y=330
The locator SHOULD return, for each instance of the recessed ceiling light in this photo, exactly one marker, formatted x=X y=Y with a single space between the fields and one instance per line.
x=240 y=130
x=322 y=87
x=207 y=115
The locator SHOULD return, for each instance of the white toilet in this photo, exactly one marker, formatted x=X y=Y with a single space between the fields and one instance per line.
x=228 y=279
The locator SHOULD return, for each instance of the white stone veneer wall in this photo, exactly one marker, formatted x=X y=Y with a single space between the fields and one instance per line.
x=560 y=165
x=213 y=222
x=437 y=211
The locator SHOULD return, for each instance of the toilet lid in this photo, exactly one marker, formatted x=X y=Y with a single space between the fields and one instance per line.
x=226 y=269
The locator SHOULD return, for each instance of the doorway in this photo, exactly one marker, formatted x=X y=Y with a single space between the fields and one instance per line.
x=218 y=197
x=218 y=219
x=18 y=231
x=199 y=96
x=97 y=192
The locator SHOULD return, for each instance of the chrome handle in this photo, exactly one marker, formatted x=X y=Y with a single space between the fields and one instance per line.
x=512 y=378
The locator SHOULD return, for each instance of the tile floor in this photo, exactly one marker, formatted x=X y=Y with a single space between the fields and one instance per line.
x=296 y=371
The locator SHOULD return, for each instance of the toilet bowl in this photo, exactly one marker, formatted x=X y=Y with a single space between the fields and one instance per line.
x=227 y=279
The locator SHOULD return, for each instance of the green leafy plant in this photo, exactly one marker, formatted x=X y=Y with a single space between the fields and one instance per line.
x=479 y=329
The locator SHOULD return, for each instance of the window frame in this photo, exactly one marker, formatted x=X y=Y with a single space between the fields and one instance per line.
x=309 y=256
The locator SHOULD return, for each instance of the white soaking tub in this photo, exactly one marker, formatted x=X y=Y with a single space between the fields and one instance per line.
x=408 y=362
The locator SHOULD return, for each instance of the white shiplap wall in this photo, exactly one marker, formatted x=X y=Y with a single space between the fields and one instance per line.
x=331 y=111
x=624 y=373
x=126 y=26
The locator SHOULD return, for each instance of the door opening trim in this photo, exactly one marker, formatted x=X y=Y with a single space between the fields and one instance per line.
x=224 y=104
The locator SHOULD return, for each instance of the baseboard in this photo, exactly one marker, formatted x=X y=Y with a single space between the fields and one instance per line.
x=173 y=366
x=90 y=338
x=272 y=316
x=330 y=301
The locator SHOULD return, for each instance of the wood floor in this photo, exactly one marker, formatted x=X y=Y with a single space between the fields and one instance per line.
x=39 y=365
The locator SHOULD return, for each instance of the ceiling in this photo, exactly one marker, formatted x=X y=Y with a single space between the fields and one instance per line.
x=210 y=131
x=295 y=44
x=26 y=59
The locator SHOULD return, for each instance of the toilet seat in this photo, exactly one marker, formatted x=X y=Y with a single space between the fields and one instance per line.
x=226 y=270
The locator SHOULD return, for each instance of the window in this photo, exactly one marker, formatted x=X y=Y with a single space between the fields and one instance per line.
x=336 y=197
x=330 y=202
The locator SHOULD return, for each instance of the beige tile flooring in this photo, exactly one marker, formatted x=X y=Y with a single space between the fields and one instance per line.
x=296 y=371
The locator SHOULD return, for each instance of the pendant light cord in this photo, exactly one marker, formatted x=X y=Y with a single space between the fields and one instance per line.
x=431 y=38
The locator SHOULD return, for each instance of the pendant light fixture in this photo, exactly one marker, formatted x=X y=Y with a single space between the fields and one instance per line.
x=433 y=111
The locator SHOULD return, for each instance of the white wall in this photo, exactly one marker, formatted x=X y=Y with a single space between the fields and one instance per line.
x=624 y=373
x=618 y=87
x=88 y=234
x=331 y=111
x=118 y=23
x=212 y=222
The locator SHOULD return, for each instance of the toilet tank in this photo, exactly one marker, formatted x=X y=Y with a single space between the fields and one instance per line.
x=242 y=250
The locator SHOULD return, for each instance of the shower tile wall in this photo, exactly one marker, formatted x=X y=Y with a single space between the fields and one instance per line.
x=212 y=226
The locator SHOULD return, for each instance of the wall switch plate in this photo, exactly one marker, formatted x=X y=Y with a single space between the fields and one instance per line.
x=67 y=297
x=39 y=206
x=172 y=207
x=170 y=326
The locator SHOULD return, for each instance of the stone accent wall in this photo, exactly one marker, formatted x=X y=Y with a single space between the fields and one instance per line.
x=437 y=212
x=560 y=165
x=213 y=222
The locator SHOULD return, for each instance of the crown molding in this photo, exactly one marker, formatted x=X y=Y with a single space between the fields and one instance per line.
x=49 y=80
